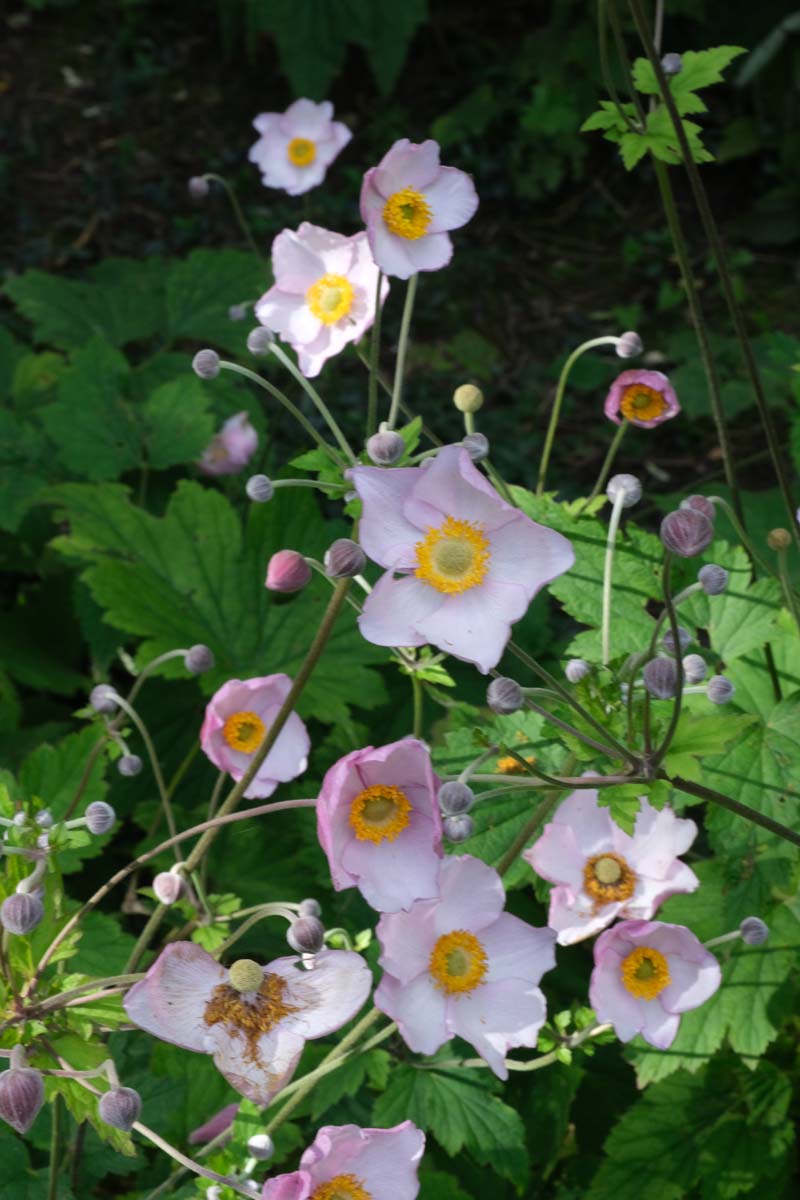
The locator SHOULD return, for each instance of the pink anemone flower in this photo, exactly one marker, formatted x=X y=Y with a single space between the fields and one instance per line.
x=459 y=965
x=462 y=565
x=254 y=1020
x=380 y=826
x=602 y=873
x=237 y=718
x=409 y=202
x=345 y=1162
x=644 y=398
x=296 y=147
x=230 y=450
x=324 y=293
x=646 y=974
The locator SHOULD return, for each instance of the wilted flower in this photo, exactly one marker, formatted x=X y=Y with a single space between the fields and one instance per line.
x=646 y=974
x=236 y=722
x=296 y=147
x=644 y=398
x=230 y=450
x=345 y=1162
x=602 y=873
x=469 y=564
x=254 y=1020
x=409 y=202
x=459 y=965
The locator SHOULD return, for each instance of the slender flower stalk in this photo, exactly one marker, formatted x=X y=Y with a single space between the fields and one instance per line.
x=131 y=712
x=316 y=399
x=402 y=347
x=374 y=360
x=608 y=462
x=238 y=214
x=608 y=567
x=788 y=590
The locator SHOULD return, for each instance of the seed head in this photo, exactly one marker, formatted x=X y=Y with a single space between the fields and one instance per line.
x=458 y=828
x=21 y=912
x=694 y=668
x=259 y=488
x=99 y=817
x=504 y=696
x=199 y=659
x=476 y=446
x=287 y=571
x=468 y=398
x=129 y=764
x=576 y=669
x=245 y=975
x=713 y=579
x=120 y=1107
x=206 y=364
x=719 y=689
x=661 y=678
x=344 y=558
x=385 y=448
x=103 y=699
x=686 y=532
x=21 y=1097
x=455 y=798
x=306 y=935
x=779 y=539
x=754 y=931
x=629 y=345
x=629 y=485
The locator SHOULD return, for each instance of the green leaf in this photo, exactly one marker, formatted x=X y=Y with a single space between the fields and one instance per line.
x=103 y=948
x=436 y=1185
x=623 y=802
x=178 y=423
x=180 y=1090
x=201 y=289
x=740 y=619
x=699 y=69
x=82 y=1103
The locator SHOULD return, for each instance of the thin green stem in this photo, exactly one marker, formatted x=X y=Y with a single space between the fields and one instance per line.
x=374 y=359
x=788 y=591
x=266 y=910
x=239 y=215
x=741 y=532
x=608 y=568
x=605 y=66
x=677 y=653
x=419 y=697
x=402 y=347
x=56 y=1133
x=530 y=827
x=606 y=467
x=154 y=763
x=316 y=399
x=741 y=810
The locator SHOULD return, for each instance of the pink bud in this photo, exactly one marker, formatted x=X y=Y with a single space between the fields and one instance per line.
x=168 y=887
x=21 y=1097
x=287 y=571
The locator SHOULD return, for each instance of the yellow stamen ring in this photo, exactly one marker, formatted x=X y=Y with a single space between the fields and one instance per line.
x=330 y=298
x=341 y=1187
x=645 y=972
x=642 y=403
x=301 y=152
x=607 y=877
x=379 y=813
x=244 y=731
x=454 y=557
x=408 y=214
x=458 y=962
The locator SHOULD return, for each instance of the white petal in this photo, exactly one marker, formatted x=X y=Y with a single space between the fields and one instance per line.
x=259 y=1071
x=408 y=165
x=419 y=1009
x=407 y=939
x=516 y=950
x=453 y=198
x=170 y=1002
x=475 y=625
x=496 y=1016
x=472 y=894
x=327 y=996
x=394 y=609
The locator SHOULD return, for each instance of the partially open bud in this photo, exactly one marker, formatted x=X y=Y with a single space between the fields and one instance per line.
x=259 y=340
x=694 y=668
x=476 y=446
x=385 y=448
x=21 y=912
x=129 y=765
x=21 y=1097
x=720 y=689
x=779 y=539
x=99 y=817
x=504 y=696
x=103 y=699
x=686 y=532
x=344 y=559
x=260 y=1146
x=700 y=504
x=198 y=187
x=713 y=579
x=168 y=887
x=754 y=931
x=309 y=908
x=468 y=398
x=206 y=364
x=458 y=828
x=629 y=345
x=455 y=797
x=199 y=659
x=661 y=678
x=245 y=975
x=627 y=484
x=684 y=637
x=577 y=669
x=120 y=1107
x=306 y=935
x=672 y=64
x=287 y=571
x=259 y=488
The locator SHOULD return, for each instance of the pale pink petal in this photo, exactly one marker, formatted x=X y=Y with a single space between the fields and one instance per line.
x=658 y=1027
x=389 y=251
x=430 y=252
x=475 y=625
x=453 y=199
x=265 y=121
x=556 y=856
x=610 y=999
x=257 y=1073
x=452 y=486
x=371 y=202
x=472 y=895
x=384 y=532
x=389 y=1160
x=407 y=940
x=590 y=823
x=497 y=1016
x=312 y=358
x=651 y=893
x=393 y=874
x=294 y=263
x=692 y=983
x=516 y=950
x=170 y=1002
x=288 y=314
x=305 y=118
x=394 y=610
x=337 y=137
x=658 y=839
x=407 y=164
x=328 y=995
x=529 y=554
x=419 y=1009
x=575 y=918
x=294 y=1186
x=215 y=1125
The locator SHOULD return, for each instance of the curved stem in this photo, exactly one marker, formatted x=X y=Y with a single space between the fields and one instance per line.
x=402 y=346
x=741 y=810
x=678 y=656
x=606 y=467
x=154 y=763
x=239 y=215
x=266 y=910
x=316 y=399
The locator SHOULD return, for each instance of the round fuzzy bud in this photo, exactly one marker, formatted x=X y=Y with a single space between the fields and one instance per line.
x=779 y=539
x=468 y=398
x=120 y=1107
x=309 y=908
x=344 y=558
x=259 y=340
x=168 y=887
x=455 y=798
x=259 y=488
x=198 y=187
x=672 y=64
x=306 y=935
x=237 y=312
x=754 y=931
x=245 y=975
x=694 y=668
x=129 y=764
x=385 y=448
x=629 y=485
x=99 y=817
x=199 y=659
x=21 y=1097
x=103 y=699
x=713 y=579
x=719 y=689
x=504 y=696
x=700 y=504
x=44 y=818
x=686 y=532
x=260 y=1146
x=21 y=912
x=629 y=345
x=684 y=637
x=458 y=827
x=661 y=678
x=287 y=571
x=476 y=446
x=206 y=364
x=577 y=669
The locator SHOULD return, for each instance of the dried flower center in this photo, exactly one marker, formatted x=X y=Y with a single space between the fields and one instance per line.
x=301 y=152
x=458 y=962
x=407 y=213
x=607 y=877
x=645 y=972
x=330 y=298
x=250 y=1014
x=244 y=731
x=379 y=813
x=454 y=557
x=641 y=403
x=341 y=1187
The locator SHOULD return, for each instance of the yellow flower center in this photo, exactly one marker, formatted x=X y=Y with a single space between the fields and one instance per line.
x=454 y=557
x=511 y=766
x=607 y=877
x=379 y=813
x=407 y=213
x=341 y=1187
x=641 y=403
x=458 y=962
x=301 y=152
x=244 y=731
x=330 y=298
x=645 y=972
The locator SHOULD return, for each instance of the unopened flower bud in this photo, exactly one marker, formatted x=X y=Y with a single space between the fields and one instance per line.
x=684 y=637
x=44 y=818
x=21 y=1097
x=99 y=817
x=120 y=1107
x=129 y=764
x=287 y=571
x=504 y=696
x=661 y=678
x=672 y=64
x=309 y=908
x=344 y=558
x=779 y=539
x=694 y=668
x=476 y=446
x=458 y=827
x=686 y=532
x=629 y=485
x=577 y=669
x=719 y=689
x=259 y=488
x=700 y=504
x=237 y=312
x=206 y=364
x=754 y=931
x=306 y=935
x=468 y=398
x=260 y=1146
x=168 y=887
x=198 y=659
x=198 y=187
x=455 y=797
x=259 y=340
x=103 y=699
x=21 y=912
x=713 y=579
x=385 y=448
x=629 y=345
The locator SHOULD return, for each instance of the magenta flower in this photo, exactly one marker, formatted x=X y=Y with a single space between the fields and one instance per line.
x=297 y=147
x=254 y=1020
x=230 y=450
x=237 y=718
x=324 y=292
x=408 y=203
x=644 y=398
x=646 y=974
x=602 y=873
x=345 y=1162
x=380 y=826
x=460 y=965
x=468 y=564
